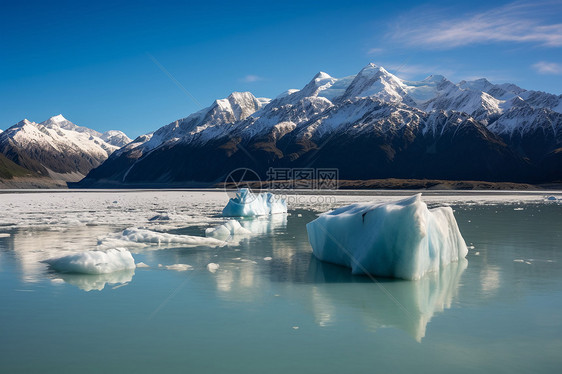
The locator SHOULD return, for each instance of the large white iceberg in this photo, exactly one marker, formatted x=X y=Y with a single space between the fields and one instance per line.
x=94 y=262
x=402 y=239
x=248 y=204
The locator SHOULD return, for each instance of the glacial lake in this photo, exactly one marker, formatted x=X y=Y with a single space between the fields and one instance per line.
x=271 y=307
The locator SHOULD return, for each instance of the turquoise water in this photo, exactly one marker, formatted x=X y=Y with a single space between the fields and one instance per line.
x=500 y=311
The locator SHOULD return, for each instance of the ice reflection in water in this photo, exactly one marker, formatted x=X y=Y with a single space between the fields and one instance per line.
x=89 y=282
x=407 y=305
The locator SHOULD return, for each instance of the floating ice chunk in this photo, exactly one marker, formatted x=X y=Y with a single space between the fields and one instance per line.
x=94 y=262
x=142 y=265
x=226 y=230
x=267 y=258
x=247 y=204
x=4 y=235
x=179 y=267
x=136 y=235
x=402 y=239
x=212 y=267
x=160 y=217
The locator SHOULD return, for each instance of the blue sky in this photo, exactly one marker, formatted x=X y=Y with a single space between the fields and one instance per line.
x=120 y=65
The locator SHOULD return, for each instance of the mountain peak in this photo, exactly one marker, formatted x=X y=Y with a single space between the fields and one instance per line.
x=373 y=69
x=480 y=84
x=322 y=75
x=58 y=118
x=24 y=122
x=237 y=96
x=320 y=82
x=375 y=81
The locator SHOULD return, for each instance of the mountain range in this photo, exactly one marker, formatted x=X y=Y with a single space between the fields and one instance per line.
x=54 y=152
x=369 y=125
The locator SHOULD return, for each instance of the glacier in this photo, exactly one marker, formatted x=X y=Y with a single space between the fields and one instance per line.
x=94 y=262
x=248 y=204
x=401 y=239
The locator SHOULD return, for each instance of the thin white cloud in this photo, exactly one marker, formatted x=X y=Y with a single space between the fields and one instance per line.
x=410 y=71
x=544 y=67
x=374 y=51
x=523 y=22
x=251 y=78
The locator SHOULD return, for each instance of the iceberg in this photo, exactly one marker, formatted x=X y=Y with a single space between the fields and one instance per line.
x=247 y=204
x=94 y=262
x=402 y=239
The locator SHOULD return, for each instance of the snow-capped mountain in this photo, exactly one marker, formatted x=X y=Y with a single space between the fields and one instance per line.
x=369 y=125
x=57 y=148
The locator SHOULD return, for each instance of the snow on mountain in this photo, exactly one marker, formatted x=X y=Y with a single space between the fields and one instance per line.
x=201 y=125
x=524 y=118
x=241 y=114
x=361 y=115
x=375 y=81
x=115 y=138
x=58 y=146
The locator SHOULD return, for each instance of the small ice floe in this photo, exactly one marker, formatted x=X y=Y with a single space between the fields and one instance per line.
x=4 y=235
x=142 y=265
x=212 y=267
x=477 y=253
x=179 y=267
x=247 y=204
x=94 y=262
x=145 y=236
x=299 y=215
x=159 y=217
x=226 y=230
x=248 y=261
x=295 y=327
x=470 y=247
x=402 y=239
x=518 y=209
x=267 y=258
